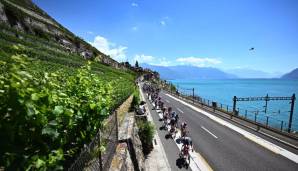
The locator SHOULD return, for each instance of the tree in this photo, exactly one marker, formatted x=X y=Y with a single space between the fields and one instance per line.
x=137 y=64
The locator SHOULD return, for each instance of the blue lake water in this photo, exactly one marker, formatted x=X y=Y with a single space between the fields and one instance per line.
x=222 y=91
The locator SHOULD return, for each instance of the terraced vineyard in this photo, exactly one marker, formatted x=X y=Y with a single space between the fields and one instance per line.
x=52 y=102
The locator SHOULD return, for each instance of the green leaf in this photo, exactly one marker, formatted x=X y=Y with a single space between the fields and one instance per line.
x=34 y=97
x=69 y=112
x=53 y=123
x=58 y=110
x=50 y=131
x=92 y=106
x=104 y=111
x=25 y=74
x=30 y=110
x=39 y=163
x=102 y=148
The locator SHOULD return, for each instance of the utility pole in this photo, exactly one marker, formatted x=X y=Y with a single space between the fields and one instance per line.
x=193 y=95
x=234 y=105
x=291 y=112
x=266 y=103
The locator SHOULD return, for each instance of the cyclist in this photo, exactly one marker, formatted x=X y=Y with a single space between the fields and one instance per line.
x=176 y=119
x=173 y=127
x=163 y=110
x=184 y=153
x=166 y=116
x=183 y=129
x=160 y=104
x=186 y=143
x=156 y=103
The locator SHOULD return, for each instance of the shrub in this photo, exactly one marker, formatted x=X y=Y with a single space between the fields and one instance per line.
x=146 y=133
x=136 y=99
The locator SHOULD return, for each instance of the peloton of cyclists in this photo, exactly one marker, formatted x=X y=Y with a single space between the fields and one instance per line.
x=171 y=118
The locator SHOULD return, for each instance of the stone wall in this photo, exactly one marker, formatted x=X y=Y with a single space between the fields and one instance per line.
x=129 y=153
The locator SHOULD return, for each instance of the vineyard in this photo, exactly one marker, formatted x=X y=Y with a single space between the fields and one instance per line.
x=51 y=102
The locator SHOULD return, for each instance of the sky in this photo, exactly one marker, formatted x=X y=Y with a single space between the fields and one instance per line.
x=204 y=33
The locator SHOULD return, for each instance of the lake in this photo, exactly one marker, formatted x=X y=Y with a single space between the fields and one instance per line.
x=222 y=91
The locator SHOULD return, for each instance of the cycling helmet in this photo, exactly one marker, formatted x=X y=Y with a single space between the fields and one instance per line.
x=173 y=114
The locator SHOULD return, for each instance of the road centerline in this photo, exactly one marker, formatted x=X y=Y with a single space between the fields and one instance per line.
x=180 y=110
x=209 y=132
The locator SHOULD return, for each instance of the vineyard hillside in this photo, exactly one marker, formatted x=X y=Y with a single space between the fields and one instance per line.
x=55 y=89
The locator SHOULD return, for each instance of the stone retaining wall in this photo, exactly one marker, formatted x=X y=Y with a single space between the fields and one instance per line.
x=129 y=154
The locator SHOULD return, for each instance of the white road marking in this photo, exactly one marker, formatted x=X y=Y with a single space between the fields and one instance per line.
x=167 y=101
x=266 y=144
x=289 y=144
x=180 y=110
x=197 y=163
x=209 y=132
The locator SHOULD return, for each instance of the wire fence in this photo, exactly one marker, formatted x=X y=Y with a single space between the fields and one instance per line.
x=99 y=153
x=253 y=115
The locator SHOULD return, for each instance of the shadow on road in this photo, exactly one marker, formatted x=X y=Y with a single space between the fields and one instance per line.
x=180 y=163
x=167 y=136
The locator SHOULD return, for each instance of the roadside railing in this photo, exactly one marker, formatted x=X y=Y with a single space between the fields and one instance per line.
x=252 y=116
x=99 y=153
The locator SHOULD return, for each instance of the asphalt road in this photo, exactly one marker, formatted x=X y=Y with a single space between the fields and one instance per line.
x=170 y=147
x=223 y=148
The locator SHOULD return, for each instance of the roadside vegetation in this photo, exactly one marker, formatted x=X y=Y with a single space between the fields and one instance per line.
x=146 y=133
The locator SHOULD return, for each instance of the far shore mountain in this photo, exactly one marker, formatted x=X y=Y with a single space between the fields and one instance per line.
x=253 y=73
x=291 y=75
x=188 y=72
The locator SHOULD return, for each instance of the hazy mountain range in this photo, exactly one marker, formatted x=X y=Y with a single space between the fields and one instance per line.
x=253 y=73
x=291 y=75
x=189 y=72
x=193 y=72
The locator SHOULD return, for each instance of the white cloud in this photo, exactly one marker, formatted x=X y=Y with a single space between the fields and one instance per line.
x=163 y=23
x=90 y=32
x=134 y=4
x=162 y=61
x=135 y=28
x=151 y=60
x=116 y=52
x=200 y=62
x=144 y=58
